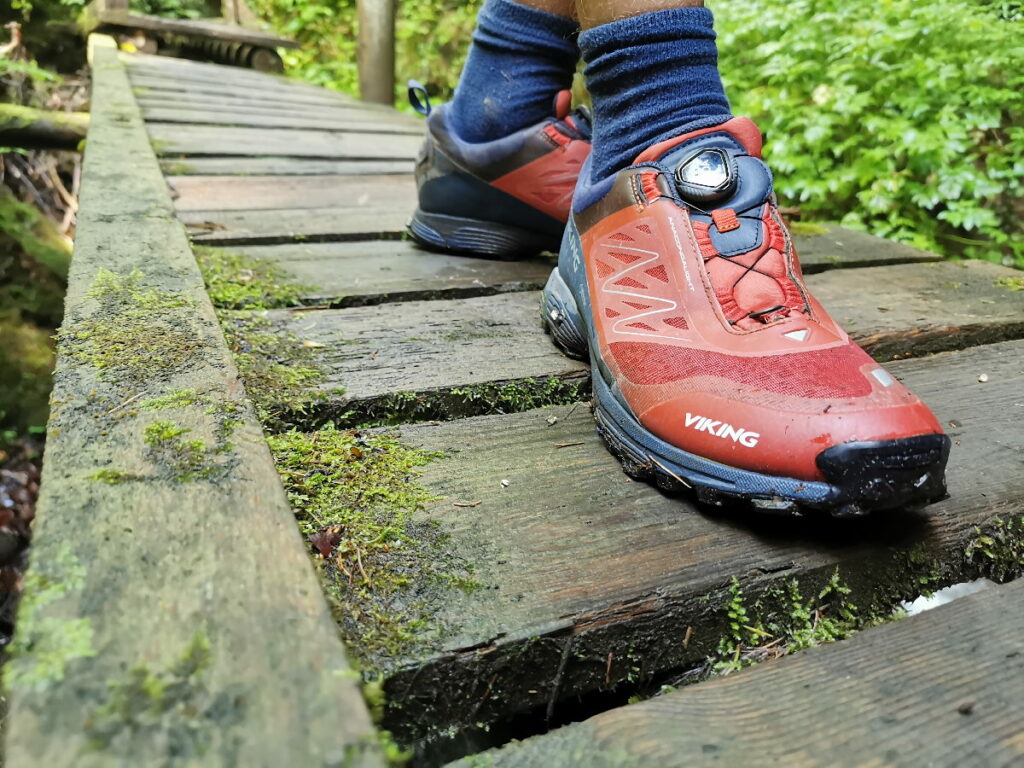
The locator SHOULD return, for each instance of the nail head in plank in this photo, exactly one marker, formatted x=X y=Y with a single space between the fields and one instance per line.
x=939 y=688
x=382 y=271
x=170 y=139
x=140 y=577
x=570 y=550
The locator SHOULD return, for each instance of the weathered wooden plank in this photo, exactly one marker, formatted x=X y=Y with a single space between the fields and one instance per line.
x=251 y=102
x=224 y=228
x=153 y=85
x=170 y=615
x=240 y=193
x=191 y=27
x=592 y=582
x=940 y=688
x=218 y=140
x=838 y=247
x=283 y=166
x=245 y=99
x=431 y=347
x=360 y=123
x=379 y=271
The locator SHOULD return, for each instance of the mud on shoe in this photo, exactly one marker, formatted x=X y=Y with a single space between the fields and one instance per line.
x=507 y=198
x=714 y=367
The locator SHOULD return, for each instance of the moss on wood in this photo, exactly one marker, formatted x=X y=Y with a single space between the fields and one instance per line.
x=238 y=281
x=997 y=549
x=137 y=334
x=460 y=402
x=280 y=373
x=169 y=711
x=46 y=643
x=355 y=496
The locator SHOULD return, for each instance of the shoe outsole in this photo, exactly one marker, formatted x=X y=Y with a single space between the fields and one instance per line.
x=455 y=234
x=862 y=477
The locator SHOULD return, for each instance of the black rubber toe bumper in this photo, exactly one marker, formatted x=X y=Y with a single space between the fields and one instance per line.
x=886 y=474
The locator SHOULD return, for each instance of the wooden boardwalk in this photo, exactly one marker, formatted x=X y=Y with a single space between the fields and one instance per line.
x=586 y=587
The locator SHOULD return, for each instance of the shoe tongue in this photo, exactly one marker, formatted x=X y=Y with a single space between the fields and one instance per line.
x=742 y=129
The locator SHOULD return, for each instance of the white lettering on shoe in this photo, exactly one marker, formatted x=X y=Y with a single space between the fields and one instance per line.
x=724 y=431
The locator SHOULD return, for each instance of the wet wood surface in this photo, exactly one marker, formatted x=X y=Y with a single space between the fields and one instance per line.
x=940 y=688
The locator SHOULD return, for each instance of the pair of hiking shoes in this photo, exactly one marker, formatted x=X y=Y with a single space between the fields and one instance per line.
x=714 y=368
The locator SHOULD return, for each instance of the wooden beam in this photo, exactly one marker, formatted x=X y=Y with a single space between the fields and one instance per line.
x=171 y=614
x=376 y=52
x=940 y=688
x=31 y=128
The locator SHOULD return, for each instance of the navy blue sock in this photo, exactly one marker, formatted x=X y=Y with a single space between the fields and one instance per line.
x=651 y=77
x=520 y=59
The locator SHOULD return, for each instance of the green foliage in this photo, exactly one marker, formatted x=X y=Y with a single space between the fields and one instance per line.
x=431 y=40
x=34 y=260
x=782 y=621
x=175 y=9
x=904 y=118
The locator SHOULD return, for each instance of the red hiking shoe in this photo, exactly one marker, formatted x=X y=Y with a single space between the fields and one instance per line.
x=714 y=368
x=505 y=198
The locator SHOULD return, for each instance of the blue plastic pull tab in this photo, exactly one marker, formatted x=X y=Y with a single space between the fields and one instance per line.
x=419 y=99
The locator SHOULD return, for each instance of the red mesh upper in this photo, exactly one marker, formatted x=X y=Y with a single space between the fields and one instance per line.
x=824 y=373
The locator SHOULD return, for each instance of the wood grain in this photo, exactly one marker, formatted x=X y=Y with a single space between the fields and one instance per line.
x=171 y=139
x=270 y=227
x=248 y=118
x=280 y=92
x=282 y=166
x=240 y=193
x=838 y=248
x=383 y=271
x=126 y=578
x=573 y=555
x=940 y=688
x=429 y=347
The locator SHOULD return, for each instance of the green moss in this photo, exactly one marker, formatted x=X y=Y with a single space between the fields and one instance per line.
x=176 y=168
x=137 y=334
x=184 y=460
x=179 y=398
x=387 y=573
x=237 y=281
x=808 y=228
x=171 y=707
x=997 y=550
x=458 y=402
x=112 y=476
x=1010 y=283
x=45 y=644
x=279 y=372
